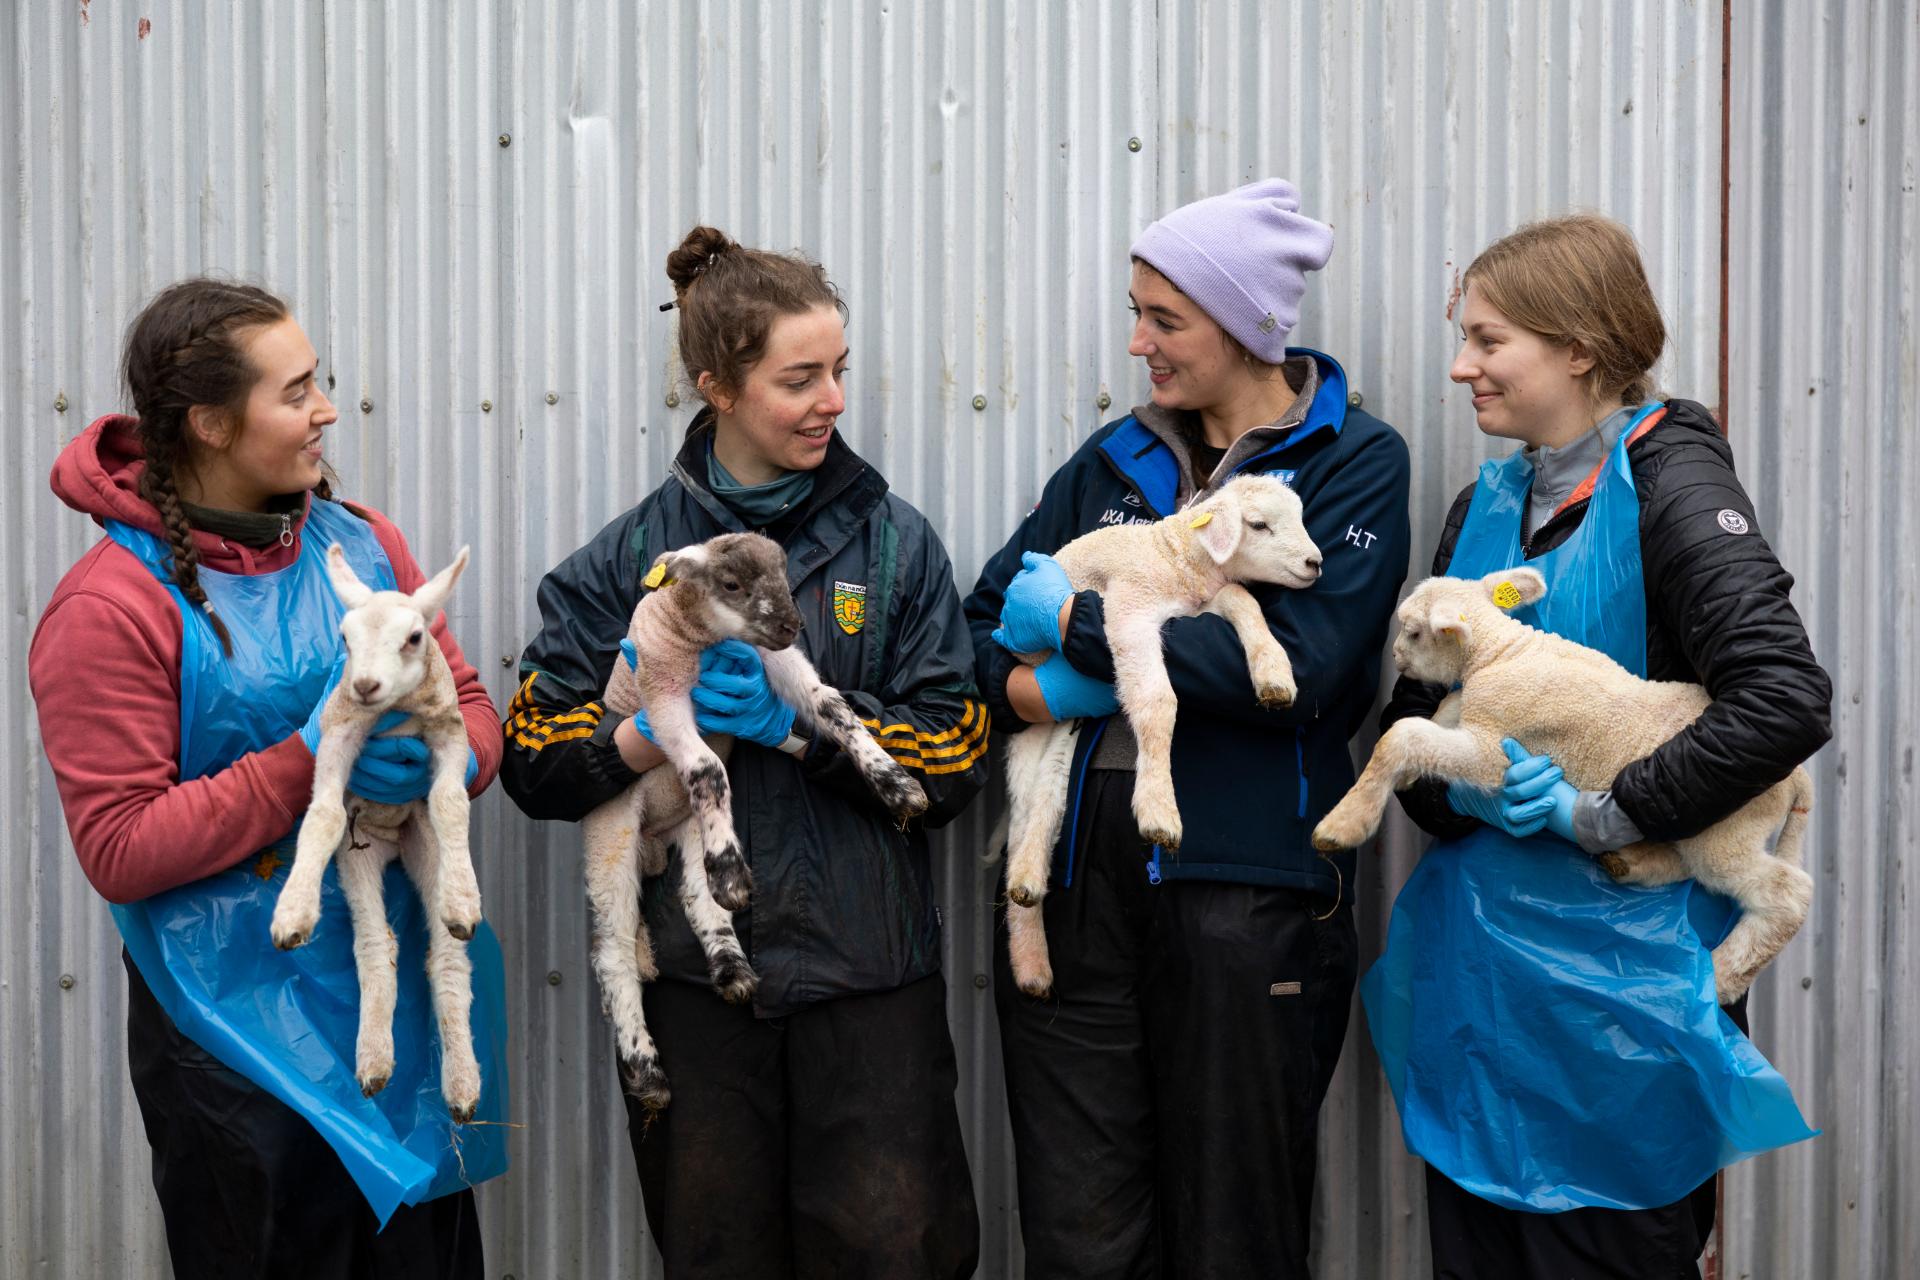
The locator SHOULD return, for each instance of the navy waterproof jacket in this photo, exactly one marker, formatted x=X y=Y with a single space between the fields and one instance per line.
x=1251 y=782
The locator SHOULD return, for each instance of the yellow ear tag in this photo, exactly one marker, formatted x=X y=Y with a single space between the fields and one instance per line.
x=1506 y=595
x=1201 y=520
x=656 y=577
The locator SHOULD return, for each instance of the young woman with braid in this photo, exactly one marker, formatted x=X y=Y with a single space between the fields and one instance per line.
x=178 y=672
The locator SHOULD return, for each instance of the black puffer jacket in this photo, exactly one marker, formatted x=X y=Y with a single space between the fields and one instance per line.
x=843 y=898
x=1718 y=615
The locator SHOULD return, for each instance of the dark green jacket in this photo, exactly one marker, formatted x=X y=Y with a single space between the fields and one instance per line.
x=843 y=900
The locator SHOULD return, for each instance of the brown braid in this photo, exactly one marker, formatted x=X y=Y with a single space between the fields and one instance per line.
x=184 y=350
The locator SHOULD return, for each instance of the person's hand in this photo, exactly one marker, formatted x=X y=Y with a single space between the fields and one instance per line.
x=310 y=731
x=1030 y=616
x=1535 y=780
x=1072 y=695
x=1532 y=796
x=733 y=696
x=392 y=770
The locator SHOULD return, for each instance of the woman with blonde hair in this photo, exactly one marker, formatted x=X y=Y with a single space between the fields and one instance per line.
x=1552 y=1038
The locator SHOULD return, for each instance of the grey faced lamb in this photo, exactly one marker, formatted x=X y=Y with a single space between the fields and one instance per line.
x=393 y=664
x=730 y=587
x=1594 y=718
x=1249 y=530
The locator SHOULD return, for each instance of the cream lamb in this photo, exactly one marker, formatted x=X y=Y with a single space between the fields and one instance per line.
x=393 y=664
x=1249 y=530
x=1594 y=718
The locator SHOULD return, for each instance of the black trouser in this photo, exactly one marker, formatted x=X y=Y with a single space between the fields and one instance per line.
x=824 y=1143
x=250 y=1189
x=1165 y=1098
x=1475 y=1239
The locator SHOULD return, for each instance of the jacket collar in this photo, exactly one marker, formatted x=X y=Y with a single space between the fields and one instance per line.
x=846 y=490
x=1145 y=460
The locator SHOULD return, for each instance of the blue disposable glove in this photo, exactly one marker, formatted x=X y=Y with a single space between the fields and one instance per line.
x=1072 y=695
x=310 y=731
x=1532 y=780
x=1529 y=797
x=733 y=696
x=1030 y=616
x=398 y=770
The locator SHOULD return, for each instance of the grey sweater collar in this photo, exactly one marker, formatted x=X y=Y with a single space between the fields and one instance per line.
x=1558 y=472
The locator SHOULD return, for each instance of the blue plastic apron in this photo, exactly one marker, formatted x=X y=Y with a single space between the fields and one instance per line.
x=287 y=1020
x=1552 y=1038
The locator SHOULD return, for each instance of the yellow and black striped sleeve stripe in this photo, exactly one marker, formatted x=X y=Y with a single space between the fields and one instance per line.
x=531 y=726
x=952 y=750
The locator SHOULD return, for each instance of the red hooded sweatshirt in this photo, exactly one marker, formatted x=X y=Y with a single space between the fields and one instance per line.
x=105 y=669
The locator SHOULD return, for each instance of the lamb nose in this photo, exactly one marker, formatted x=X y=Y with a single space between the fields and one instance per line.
x=365 y=686
x=1313 y=563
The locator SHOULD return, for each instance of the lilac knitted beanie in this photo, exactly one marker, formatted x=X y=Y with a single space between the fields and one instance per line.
x=1243 y=258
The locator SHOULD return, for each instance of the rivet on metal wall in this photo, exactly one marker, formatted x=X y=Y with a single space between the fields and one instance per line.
x=506 y=139
x=980 y=403
x=60 y=403
x=486 y=406
x=553 y=977
x=980 y=981
x=506 y=659
x=1133 y=144
x=366 y=405
x=553 y=397
x=1806 y=984
x=66 y=982
x=673 y=399
x=1355 y=399
x=1103 y=400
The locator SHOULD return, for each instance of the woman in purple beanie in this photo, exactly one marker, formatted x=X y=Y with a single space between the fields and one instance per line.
x=1164 y=1098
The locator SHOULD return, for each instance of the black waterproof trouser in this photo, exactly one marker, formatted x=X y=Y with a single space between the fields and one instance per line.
x=1165 y=1098
x=821 y=1144
x=250 y=1189
x=1475 y=1239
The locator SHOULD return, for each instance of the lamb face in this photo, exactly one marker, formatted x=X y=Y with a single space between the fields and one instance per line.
x=1256 y=533
x=742 y=579
x=387 y=633
x=1437 y=619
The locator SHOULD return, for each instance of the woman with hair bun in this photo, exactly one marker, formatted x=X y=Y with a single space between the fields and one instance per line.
x=812 y=1132
x=179 y=671
x=1552 y=1038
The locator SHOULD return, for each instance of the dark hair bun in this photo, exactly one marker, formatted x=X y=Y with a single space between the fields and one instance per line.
x=695 y=255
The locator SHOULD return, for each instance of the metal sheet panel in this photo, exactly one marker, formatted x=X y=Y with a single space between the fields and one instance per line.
x=470 y=205
x=1823 y=405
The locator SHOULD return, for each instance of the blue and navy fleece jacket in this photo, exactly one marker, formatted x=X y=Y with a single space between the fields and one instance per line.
x=843 y=899
x=1251 y=782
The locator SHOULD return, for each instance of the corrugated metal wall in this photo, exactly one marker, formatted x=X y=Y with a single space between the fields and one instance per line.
x=1823 y=407
x=469 y=206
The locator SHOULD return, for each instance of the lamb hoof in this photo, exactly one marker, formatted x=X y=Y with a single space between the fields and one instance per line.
x=463 y=1112
x=1614 y=865
x=1273 y=696
x=459 y=929
x=1729 y=990
x=1168 y=838
x=734 y=980
x=646 y=1082
x=1024 y=895
x=731 y=882
x=1039 y=985
x=290 y=938
x=370 y=1085
x=1338 y=830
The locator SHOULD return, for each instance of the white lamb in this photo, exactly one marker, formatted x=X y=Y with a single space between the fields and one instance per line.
x=1250 y=530
x=394 y=664
x=1594 y=718
x=733 y=586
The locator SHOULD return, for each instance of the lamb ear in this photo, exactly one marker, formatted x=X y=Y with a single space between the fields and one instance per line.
x=1446 y=618
x=352 y=592
x=671 y=566
x=1511 y=588
x=432 y=595
x=1219 y=525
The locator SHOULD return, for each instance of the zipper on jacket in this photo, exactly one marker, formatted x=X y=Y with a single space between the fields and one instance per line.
x=1079 y=791
x=286 y=529
x=1300 y=763
x=1153 y=866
